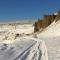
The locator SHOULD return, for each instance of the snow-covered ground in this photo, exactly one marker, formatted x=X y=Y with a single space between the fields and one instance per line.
x=53 y=47
x=8 y=32
x=23 y=46
x=24 y=49
x=20 y=43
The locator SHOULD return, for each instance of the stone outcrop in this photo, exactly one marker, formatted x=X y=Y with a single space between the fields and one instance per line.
x=47 y=20
x=38 y=25
x=58 y=16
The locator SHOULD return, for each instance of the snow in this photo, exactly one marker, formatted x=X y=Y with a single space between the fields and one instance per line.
x=51 y=31
x=51 y=36
x=29 y=45
x=8 y=33
x=18 y=48
x=56 y=13
x=53 y=47
x=26 y=29
x=23 y=47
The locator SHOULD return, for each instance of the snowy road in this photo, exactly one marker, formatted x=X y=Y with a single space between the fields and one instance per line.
x=24 y=49
x=53 y=47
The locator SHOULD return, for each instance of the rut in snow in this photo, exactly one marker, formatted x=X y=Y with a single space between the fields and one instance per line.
x=36 y=52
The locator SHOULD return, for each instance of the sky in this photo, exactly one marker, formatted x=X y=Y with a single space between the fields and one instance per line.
x=26 y=9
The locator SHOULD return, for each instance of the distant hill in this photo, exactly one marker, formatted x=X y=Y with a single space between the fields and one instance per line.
x=31 y=21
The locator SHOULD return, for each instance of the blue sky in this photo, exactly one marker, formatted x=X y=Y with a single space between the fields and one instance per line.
x=26 y=9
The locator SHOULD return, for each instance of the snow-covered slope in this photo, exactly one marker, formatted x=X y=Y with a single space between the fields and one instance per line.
x=51 y=36
x=8 y=32
x=52 y=30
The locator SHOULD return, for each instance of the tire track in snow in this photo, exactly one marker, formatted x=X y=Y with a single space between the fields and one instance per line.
x=37 y=52
x=24 y=53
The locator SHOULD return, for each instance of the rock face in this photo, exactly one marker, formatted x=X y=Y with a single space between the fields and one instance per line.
x=58 y=16
x=47 y=20
x=38 y=25
x=41 y=24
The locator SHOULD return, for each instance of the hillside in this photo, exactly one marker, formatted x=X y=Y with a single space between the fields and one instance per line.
x=51 y=36
x=17 y=43
x=40 y=25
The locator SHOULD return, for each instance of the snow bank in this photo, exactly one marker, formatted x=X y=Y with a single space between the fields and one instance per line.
x=52 y=30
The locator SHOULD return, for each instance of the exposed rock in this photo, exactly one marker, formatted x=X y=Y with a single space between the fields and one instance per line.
x=47 y=20
x=58 y=16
